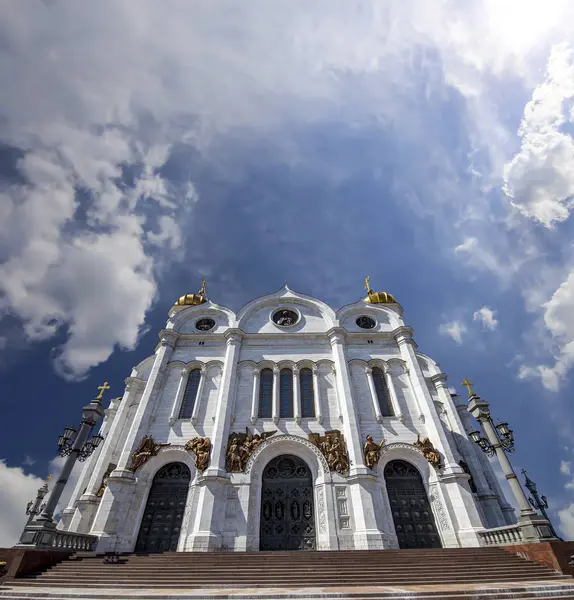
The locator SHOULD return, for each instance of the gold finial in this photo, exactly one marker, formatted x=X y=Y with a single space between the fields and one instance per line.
x=466 y=383
x=48 y=480
x=102 y=389
x=203 y=291
x=368 y=286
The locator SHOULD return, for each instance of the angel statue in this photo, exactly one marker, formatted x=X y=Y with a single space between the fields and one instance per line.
x=428 y=451
x=372 y=452
x=201 y=447
x=146 y=450
x=240 y=447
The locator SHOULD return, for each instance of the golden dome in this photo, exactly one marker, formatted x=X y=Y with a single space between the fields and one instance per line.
x=377 y=297
x=380 y=298
x=193 y=299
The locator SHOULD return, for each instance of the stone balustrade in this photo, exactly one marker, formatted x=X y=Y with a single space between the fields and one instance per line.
x=501 y=536
x=49 y=538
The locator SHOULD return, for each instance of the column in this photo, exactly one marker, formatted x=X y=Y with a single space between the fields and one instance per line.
x=468 y=449
x=461 y=506
x=275 y=411
x=374 y=397
x=392 y=392
x=211 y=487
x=112 y=511
x=296 y=396
x=363 y=486
x=317 y=394
x=179 y=396
x=255 y=398
x=197 y=403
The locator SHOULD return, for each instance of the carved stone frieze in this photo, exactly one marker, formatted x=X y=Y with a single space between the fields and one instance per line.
x=288 y=438
x=201 y=448
x=333 y=448
x=146 y=450
x=240 y=446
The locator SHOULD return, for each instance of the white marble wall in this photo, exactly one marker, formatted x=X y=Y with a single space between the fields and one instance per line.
x=222 y=511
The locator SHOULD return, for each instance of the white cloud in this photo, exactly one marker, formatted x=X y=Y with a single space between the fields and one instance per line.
x=566 y=521
x=540 y=179
x=95 y=88
x=16 y=490
x=487 y=317
x=566 y=467
x=454 y=329
x=558 y=319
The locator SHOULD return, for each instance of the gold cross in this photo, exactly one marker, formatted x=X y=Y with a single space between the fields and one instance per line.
x=102 y=389
x=48 y=478
x=466 y=383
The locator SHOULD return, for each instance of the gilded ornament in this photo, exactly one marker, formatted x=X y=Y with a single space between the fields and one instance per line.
x=194 y=299
x=377 y=297
x=467 y=384
x=104 y=484
x=240 y=447
x=146 y=450
x=102 y=389
x=372 y=452
x=201 y=447
x=428 y=451
x=333 y=448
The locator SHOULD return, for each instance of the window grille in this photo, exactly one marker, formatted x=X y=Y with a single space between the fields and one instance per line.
x=286 y=394
x=265 y=393
x=382 y=391
x=190 y=394
x=307 y=395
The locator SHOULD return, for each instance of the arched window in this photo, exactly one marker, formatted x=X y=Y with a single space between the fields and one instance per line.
x=190 y=394
x=382 y=391
x=307 y=396
x=286 y=394
x=265 y=393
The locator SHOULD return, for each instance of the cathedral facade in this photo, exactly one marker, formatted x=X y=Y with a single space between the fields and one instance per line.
x=288 y=425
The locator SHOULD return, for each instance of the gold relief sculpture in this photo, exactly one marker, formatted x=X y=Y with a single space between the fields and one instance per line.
x=429 y=451
x=334 y=449
x=201 y=447
x=372 y=452
x=240 y=447
x=146 y=450
x=104 y=484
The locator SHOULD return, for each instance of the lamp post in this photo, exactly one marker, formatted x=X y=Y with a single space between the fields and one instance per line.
x=499 y=440
x=75 y=446
x=538 y=502
x=36 y=507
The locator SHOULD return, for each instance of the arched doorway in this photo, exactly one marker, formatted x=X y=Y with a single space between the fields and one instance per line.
x=412 y=515
x=287 y=510
x=161 y=522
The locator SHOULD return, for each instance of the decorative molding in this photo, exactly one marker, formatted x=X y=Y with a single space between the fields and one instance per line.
x=321 y=509
x=288 y=438
x=438 y=506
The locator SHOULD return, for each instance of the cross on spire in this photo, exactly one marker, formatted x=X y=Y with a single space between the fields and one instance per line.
x=102 y=389
x=466 y=383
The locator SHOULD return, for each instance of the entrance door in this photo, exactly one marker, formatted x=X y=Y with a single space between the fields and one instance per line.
x=287 y=511
x=161 y=522
x=412 y=514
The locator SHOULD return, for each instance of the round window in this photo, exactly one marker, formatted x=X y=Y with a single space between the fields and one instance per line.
x=365 y=322
x=285 y=317
x=205 y=324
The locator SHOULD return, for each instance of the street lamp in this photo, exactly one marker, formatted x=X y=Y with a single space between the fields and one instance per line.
x=499 y=440
x=538 y=502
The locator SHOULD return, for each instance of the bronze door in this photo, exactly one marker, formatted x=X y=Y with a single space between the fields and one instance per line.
x=414 y=521
x=163 y=515
x=287 y=511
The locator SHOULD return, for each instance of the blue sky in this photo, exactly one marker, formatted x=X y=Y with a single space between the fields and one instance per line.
x=429 y=147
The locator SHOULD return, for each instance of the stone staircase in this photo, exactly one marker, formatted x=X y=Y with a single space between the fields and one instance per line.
x=458 y=572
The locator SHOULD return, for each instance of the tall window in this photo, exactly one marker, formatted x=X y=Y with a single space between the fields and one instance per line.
x=382 y=391
x=190 y=394
x=286 y=394
x=265 y=393
x=307 y=396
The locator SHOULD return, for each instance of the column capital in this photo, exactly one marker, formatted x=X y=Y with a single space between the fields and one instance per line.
x=368 y=370
x=168 y=337
x=295 y=371
x=256 y=372
x=233 y=336
x=403 y=335
x=133 y=384
x=336 y=335
x=439 y=380
x=276 y=370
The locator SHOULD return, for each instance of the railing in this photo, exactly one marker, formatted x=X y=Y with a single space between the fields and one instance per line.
x=501 y=536
x=68 y=540
x=39 y=536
